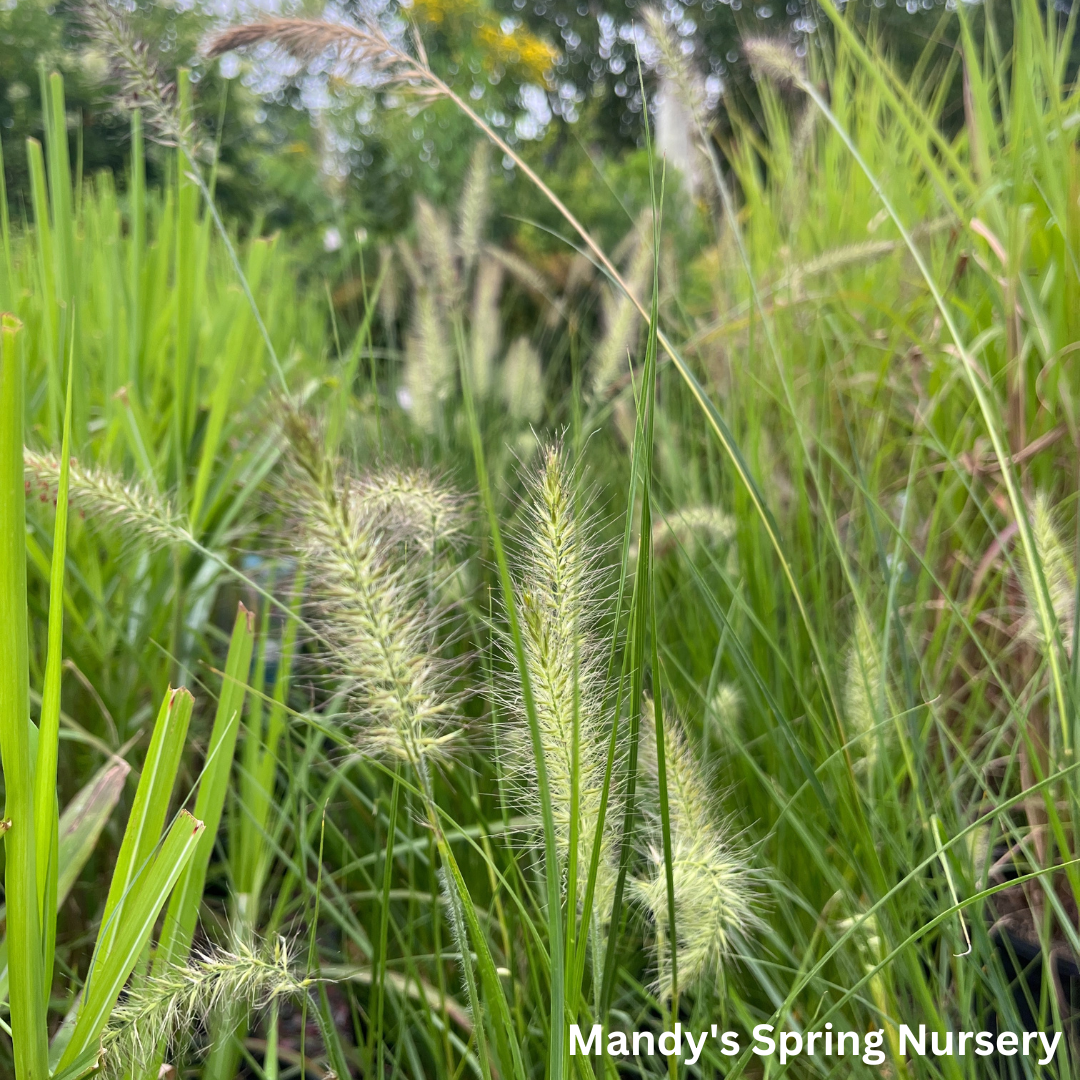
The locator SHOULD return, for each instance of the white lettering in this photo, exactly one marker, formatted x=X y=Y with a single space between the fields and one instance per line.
x=761 y=1035
x=1049 y=1047
x=907 y=1035
x=578 y=1043
x=696 y=1048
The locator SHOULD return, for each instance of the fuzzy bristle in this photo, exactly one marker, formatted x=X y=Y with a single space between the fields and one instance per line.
x=429 y=366
x=774 y=59
x=169 y=1009
x=557 y=587
x=713 y=883
x=107 y=498
x=409 y=502
x=472 y=214
x=523 y=382
x=1058 y=572
x=132 y=66
x=863 y=686
x=486 y=330
x=621 y=318
x=369 y=607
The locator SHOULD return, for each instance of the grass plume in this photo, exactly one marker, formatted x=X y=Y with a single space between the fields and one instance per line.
x=107 y=498
x=557 y=584
x=369 y=607
x=714 y=892
x=172 y=1007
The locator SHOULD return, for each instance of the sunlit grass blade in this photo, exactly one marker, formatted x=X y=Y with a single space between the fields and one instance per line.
x=148 y=813
x=45 y=808
x=25 y=959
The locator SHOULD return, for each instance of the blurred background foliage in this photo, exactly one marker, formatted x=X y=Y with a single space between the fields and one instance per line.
x=300 y=153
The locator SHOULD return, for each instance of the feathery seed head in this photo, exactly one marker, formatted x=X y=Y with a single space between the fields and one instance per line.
x=725 y=708
x=436 y=248
x=370 y=609
x=691 y=525
x=409 y=503
x=775 y=60
x=132 y=66
x=622 y=320
x=106 y=497
x=474 y=204
x=429 y=367
x=172 y=1007
x=863 y=682
x=485 y=331
x=675 y=64
x=714 y=884
x=309 y=40
x=557 y=584
x=1059 y=573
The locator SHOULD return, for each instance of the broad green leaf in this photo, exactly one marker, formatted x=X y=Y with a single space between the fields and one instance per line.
x=28 y=1014
x=147 y=813
x=183 y=909
x=80 y=826
x=142 y=905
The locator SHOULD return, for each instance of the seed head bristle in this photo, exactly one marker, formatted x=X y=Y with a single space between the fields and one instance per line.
x=774 y=59
x=436 y=252
x=410 y=503
x=370 y=610
x=725 y=709
x=690 y=525
x=472 y=215
x=309 y=40
x=863 y=682
x=106 y=497
x=622 y=320
x=170 y=1008
x=1058 y=572
x=675 y=64
x=132 y=66
x=557 y=587
x=714 y=885
x=429 y=367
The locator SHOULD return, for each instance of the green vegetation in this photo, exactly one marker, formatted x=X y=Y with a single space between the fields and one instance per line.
x=678 y=630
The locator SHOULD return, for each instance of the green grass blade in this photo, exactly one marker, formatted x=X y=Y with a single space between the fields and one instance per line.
x=183 y=911
x=83 y=819
x=25 y=960
x=145 y=901
x=8 y=285
x=45 y=811
x=80 y=826
x=148 y=813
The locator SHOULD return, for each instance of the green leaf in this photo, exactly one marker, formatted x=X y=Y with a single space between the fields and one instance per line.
x=80 y=826
x=141 y=908
x=45 y=809
x=147 y=813
x=184 y=907
x=28 y=1014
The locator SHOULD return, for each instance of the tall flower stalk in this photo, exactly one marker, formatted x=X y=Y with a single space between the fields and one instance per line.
x=557 y=588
